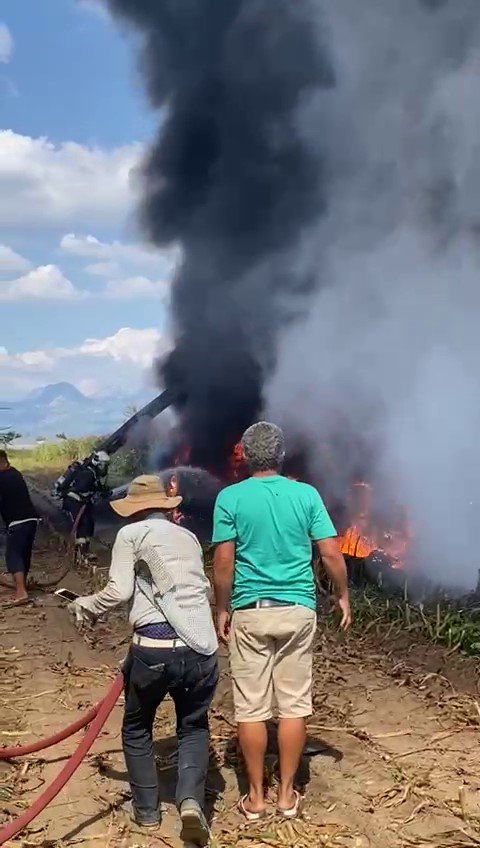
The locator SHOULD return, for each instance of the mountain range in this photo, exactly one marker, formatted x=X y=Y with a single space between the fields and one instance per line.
x=62 y=408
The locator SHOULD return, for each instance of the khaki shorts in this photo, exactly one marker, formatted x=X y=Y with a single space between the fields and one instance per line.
x=271 y=661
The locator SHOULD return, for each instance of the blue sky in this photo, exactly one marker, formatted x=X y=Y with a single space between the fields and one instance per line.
x=73 y=268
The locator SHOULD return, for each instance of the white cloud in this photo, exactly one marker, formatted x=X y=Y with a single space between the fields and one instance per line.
x=11 y=261
x=120 y=264
x=104 y=269
x=35 y=359
x=122 y=360
x=45 y=185
x=6 y=44
x=127 y=345
x=43 y=283
x=137 y=255
x=31 y=360
x=138 y=347
x=134 y=288
x=47 y=282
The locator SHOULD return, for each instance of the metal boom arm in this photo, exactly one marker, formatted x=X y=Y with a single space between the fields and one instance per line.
x=117 y=439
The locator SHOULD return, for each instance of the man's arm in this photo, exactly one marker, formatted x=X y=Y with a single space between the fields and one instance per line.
x=223 y=569
x=336 y=569
x=323 y=534
x=121 y=579
x=223 y=566
x=224 y=536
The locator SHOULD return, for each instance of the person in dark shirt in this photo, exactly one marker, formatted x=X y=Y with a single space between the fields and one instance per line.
x=86 y=485
x=21 y=521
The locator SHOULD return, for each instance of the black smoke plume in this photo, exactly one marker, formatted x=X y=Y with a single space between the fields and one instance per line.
x=230 y=180
x=362 y=192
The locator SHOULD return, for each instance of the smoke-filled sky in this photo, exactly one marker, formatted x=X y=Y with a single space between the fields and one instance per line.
x=391 y=340
x=319 y=167
x=232 y=181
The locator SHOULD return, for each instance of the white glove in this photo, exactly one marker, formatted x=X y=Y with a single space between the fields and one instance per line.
x=80 y=613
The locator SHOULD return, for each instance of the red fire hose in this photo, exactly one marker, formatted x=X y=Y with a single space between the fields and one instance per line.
x=96 y=717
x=73 y=532
x=41 y=744
x=103 y=710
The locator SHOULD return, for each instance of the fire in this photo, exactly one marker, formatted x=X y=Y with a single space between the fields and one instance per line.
x=237 y=463
x=172 y=487
x=172 y=492
x=395 y=542
x=364 y=535
x=354 y=544
x=235 y=467
x=357 y=540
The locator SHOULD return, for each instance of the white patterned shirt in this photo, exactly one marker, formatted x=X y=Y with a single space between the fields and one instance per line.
x=179 y=592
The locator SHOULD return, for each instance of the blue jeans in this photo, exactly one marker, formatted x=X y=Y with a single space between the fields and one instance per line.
x=190 y=679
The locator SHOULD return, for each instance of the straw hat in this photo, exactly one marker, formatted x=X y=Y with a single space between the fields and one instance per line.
x=145 y=492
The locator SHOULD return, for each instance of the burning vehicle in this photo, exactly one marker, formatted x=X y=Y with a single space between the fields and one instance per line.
x=375 y=540
x=324 y=202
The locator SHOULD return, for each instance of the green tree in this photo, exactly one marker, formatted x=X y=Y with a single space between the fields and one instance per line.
x=9 y=436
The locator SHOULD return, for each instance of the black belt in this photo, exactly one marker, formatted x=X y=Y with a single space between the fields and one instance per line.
x=266 y=603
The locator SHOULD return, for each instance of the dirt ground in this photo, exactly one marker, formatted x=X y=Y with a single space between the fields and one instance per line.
x=392 y=759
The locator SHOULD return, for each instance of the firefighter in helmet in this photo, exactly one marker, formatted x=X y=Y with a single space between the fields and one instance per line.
x=82 y=485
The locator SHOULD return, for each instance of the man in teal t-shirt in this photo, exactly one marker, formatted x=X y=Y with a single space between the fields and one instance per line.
x=273 y=521
x=264 y=528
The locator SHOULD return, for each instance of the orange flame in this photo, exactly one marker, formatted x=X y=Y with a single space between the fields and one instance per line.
x=362 y=537
x=237 y=463
x=354 y=544
x=172 y=492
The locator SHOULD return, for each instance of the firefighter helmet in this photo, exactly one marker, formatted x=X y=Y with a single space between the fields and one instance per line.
x=101 y=460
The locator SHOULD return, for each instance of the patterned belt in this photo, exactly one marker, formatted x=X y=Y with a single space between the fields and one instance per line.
x=159 y=630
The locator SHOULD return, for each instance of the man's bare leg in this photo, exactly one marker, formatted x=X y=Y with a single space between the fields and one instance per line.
x=21 y=593
x=253 y=742
x=291 y=742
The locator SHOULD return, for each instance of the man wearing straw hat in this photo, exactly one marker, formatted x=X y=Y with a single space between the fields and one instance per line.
x=158 y=567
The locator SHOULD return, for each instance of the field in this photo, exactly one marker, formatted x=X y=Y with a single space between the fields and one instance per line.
x=392 y=758
x=438 y=619
x=46 y=462
x=443 y=621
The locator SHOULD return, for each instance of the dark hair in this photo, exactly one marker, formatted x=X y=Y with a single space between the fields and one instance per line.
x=3 y=456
